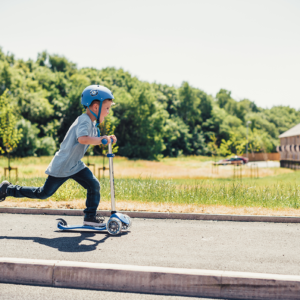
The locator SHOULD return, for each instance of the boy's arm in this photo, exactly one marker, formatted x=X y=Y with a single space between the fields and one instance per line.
x=89 y=140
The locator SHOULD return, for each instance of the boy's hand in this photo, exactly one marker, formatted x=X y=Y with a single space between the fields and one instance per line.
x=114 y=138
x=105 y=137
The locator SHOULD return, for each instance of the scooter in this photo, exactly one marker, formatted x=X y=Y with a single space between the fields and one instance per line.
x=117 y=222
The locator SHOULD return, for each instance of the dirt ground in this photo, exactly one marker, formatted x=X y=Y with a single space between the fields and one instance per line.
x=168 y=168
x=155 y=207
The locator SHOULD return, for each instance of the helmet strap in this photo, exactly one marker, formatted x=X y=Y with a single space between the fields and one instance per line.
x=97 y=117
x=99 y=113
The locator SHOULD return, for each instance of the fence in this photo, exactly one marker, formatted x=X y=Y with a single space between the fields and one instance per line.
x=7 y=170
x=252 y=170
x=290 y=164
x=262 y=156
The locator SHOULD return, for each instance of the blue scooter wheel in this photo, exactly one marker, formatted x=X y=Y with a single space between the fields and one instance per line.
x=114 y=226
x=126 y=227
x=62 y=222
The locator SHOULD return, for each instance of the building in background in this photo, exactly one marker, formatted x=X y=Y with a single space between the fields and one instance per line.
x=289 y=148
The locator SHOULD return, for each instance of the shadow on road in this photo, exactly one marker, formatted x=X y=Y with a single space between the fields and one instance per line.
x=82 y=243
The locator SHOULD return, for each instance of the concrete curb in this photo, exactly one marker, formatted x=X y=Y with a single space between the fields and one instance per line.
x=153 y=215
x=154 y=280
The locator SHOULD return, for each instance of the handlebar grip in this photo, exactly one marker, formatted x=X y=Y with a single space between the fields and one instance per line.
x=104 y=141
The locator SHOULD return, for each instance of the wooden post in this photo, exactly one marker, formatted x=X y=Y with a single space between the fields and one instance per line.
x=99 y=173
x=10 y=169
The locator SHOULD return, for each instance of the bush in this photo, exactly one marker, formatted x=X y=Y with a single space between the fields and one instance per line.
x=46 y=146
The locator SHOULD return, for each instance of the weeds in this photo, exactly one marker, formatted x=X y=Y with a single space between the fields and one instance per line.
x=201 y=192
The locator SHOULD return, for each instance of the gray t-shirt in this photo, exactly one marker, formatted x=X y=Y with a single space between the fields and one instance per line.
x=67 y=161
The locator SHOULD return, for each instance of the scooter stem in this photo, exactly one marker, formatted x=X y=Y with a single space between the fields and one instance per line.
x=111 y=178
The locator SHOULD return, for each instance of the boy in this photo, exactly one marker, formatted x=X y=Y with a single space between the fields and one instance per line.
x=67 y=162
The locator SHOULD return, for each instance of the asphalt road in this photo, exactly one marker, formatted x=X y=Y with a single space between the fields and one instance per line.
x=27 y=292
x=229 y=246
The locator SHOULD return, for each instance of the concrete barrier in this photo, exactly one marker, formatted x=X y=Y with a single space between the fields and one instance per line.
x=26 y=271
x=154 y=215
x=154 y=280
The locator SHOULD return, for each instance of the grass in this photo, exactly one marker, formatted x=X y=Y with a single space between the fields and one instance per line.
x=253 y=193
x=185 y=184
x=291 y=177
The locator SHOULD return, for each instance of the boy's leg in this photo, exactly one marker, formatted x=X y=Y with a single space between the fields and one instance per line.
x=47 y=190
x=87 y=179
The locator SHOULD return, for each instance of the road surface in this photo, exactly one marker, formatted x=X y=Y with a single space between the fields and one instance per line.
x=27 y=292
x=228 y=246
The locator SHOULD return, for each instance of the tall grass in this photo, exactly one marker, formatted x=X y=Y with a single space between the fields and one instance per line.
x=204 y=192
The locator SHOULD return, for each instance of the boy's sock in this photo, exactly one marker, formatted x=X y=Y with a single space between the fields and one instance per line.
x=3 y=189
x=93 y=220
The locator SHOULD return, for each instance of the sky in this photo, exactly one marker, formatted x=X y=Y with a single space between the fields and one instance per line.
x=249 y=47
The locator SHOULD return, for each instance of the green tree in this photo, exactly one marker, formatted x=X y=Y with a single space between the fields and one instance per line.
x=213 y=146
x=141 y=121
x=9 y=134
x=5 y=76
x=61 y=64
x=107 y=128
x=176 y=137
x=189 y=105
x=223 y=97
x=42 y=58
x=150 y=120
x=28 y=143
x=46 y=146
x=206 y=107
x=224 y=149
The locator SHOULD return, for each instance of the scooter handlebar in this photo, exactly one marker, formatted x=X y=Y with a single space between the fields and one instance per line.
x=104 y=141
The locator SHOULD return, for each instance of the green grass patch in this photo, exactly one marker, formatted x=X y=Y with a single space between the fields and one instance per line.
x=267 y=193
x=31 y=160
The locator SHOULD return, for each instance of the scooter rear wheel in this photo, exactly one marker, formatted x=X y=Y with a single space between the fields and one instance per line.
x=62 y=222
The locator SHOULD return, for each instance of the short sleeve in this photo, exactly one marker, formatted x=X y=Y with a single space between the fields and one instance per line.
x=83 y=127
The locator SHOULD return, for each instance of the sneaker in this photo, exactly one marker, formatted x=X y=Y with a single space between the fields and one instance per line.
x=3 y=188
x=93 y=221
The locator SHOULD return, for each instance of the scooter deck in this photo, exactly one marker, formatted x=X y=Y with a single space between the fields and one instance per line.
x=70 y=227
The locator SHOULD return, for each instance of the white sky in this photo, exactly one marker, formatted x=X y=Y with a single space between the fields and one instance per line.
x=250 y=47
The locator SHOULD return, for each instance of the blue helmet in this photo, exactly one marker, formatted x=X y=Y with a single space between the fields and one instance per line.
x=95 y=92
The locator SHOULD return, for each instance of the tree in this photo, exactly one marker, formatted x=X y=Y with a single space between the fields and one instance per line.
x=238 y=141
x=28 y=143
x=213 y=146
x=107 y=128
x=46 y=146
x=61 y=64
x=189 y=105
x=5 y=76
x=150 y=120
x=224 y=149
x=223 y=97
x=141 y=122
x=9 y=134
x=176 y=138
x=42 y=57
x=206 y=107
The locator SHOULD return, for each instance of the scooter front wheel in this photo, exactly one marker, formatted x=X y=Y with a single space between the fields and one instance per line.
x=126 y=227
x=114 y=226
